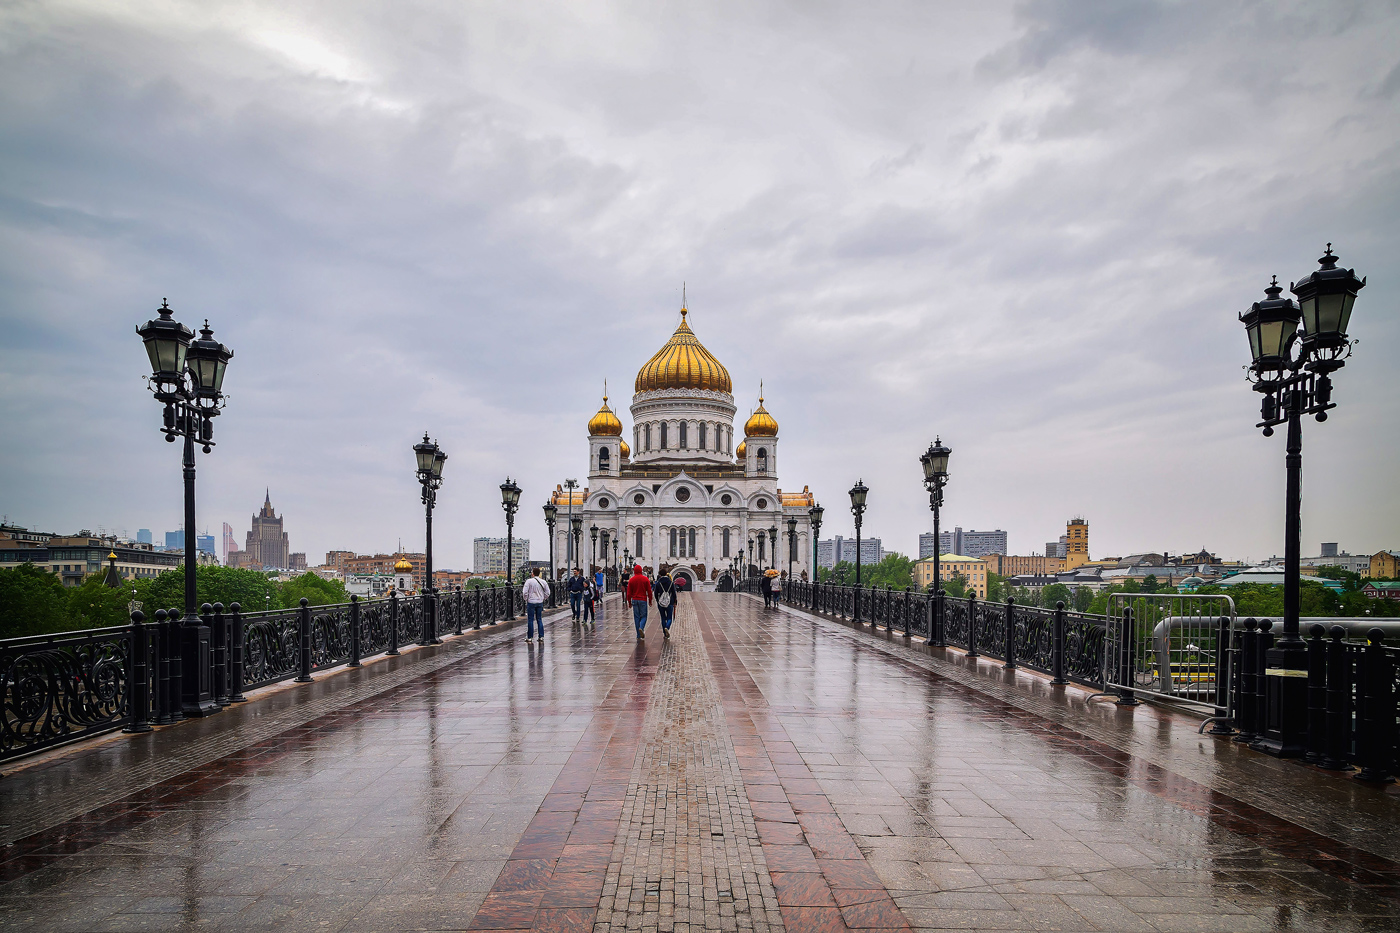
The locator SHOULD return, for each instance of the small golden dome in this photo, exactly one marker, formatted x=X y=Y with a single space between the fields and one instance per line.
x=605 y=423
x=626 y=451
x=683 y=363
x=403 y=566
x=741 y=449
x=111 y=555
x=760 y=423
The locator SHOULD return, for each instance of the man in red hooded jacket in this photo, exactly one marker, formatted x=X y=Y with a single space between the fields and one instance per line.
x=639 y=593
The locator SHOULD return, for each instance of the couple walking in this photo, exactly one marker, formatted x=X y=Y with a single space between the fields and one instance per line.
x=641 y=591
x=583 y=596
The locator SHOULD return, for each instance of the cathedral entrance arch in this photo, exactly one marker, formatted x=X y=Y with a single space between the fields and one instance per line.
x=685 y=573
x=726 y=584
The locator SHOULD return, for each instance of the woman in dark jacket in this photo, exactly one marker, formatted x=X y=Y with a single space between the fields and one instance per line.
x=665 y=589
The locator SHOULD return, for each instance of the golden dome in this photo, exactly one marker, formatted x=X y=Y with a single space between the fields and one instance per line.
x=683 y=363
x=741 y=449
x=403 y=566
x=605 y=423
x=626 y=451
x=760 y=423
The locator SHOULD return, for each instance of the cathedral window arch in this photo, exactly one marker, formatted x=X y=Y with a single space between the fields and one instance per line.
x=702 y=435
x=763 y=459
x=724 y=539
x=664 y=432
x=673 y=542
x=646 y=430
x=685 y=440
x=692 y=542
x=604 y=459
x=639 y=543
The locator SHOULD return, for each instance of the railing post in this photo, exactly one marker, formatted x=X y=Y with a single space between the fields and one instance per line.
x=1375 y=720
x=1125 y=660
x=476 y=623
x=138 y=678
x=162 y=669
x=1010 y=650
x=1225 y=664
x=1261 y=682
x=354 y=632
x=1317 y=695
x=393 y=624
x=220 y=656
x=937 y=633
x=972 y=625
x=1338 y=753
x=457 y=628
x=425 y=619
x=908 y=608
x=1244 y=698
x=235 y=668
x=1057 y=659
x=855 y=606
x=304 y=677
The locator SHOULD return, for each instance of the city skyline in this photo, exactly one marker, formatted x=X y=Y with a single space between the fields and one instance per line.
x=1104 y=194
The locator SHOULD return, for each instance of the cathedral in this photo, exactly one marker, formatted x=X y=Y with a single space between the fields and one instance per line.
x=683 y=496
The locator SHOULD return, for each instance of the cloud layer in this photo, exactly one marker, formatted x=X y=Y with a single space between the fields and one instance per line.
x=1024 y=227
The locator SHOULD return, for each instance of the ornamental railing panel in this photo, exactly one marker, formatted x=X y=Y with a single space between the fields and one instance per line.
x=330 y=636
x=271 y=647
x=58 y=688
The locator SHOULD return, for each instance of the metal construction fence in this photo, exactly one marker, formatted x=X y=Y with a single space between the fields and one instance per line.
x=59 y=688
x=1182 y=648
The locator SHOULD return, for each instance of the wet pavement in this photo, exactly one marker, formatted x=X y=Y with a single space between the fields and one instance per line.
x=761 y=770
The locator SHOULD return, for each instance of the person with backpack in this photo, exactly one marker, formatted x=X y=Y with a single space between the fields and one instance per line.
x=577 y=584
x=639 y=595
x=665 y=590
x=534 y=592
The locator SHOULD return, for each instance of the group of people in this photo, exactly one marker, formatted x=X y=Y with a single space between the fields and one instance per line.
x=642 y=591
x=586 y=593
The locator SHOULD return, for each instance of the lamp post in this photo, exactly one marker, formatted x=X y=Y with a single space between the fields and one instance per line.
x=773 y=548
x=814 y=514
x=743 y=565
x=551 y=515
x=792 y=545
x=935 y=464
x=510 y=501
x=187 y=378
x=593 y=549
x=569 y=486
x=1291 y=368
x=576 y=524
x=626 y=562
x=858 y=494
x=430 y=460
x=617 y=568
x=753 y=556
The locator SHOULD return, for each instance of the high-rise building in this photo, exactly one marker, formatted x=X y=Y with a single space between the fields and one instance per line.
x=296 y=561
x=205 y=543
x=335 y=560
x=230 y=542
x=967 y=543
x=267 y=542
x=143 y=536
x=837 y=549
x=489 y=555
x=1329 y=549
x=1057 y=549
x=175 y=540
x=1076 y=543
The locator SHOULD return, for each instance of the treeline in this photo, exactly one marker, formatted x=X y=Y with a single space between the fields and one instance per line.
x=35 y=602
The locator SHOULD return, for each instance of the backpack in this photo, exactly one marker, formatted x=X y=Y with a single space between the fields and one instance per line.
x=663 y=599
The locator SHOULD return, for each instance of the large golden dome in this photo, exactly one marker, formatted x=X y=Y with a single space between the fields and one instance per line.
x=760 y=423
x=683 y=363
x=605 y=423
x=403 y=566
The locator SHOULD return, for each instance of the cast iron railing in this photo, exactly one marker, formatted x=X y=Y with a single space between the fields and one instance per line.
x=58 y=688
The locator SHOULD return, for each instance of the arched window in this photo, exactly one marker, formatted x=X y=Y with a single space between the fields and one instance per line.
x=684 y=440
x=702 y=435
x=763 y=459
x=604 y=460
x=761 y=541
x=646 y=431
x=724 y=538
x=673 y=542
x=692 y=542
x=664 y=426
x=638 y=555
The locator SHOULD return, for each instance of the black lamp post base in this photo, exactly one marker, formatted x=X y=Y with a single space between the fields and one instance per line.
x=197 y=688
x=1286 y=702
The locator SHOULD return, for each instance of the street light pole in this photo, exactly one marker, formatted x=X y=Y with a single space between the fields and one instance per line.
x=430 y=460
x=592 y=549
x=187 y=377
x=815 y=515
x=858 y=493
x=1291 y=368
x=792 y=545
x=551 y=514
x=569 y=486
x=510 y=501
x=935 y=464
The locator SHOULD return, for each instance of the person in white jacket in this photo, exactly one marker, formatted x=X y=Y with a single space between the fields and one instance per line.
x=535 y=591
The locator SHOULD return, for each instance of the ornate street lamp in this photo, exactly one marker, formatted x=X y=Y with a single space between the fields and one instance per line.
x=743 y=565
x=576 y=524
x=617 y=569
x=753 y=555
x=773 y=548
x=935 y=464
x=187 y=378
x=569 y=486
x=1293 y=385
x=792 y=545
x=814 y=514
x=510 y=501
x=593 y=550
x=430 y=460
x=858 y=493
x=551 y=515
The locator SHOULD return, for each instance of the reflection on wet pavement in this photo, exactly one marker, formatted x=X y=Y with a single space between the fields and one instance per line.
x=759 y=771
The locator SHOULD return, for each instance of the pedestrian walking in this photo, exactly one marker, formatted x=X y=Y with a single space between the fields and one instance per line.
x=774 y=591
x=767 y=593
x=665 y=590
x=577 y=584
x=590 y=599
x=535 y=591
x=639 y=595
x=600 y=582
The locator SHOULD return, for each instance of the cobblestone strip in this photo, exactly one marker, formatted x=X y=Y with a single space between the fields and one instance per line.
x=43 y=797
x=687 y=855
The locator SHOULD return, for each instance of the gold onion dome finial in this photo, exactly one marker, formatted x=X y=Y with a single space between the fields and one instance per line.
x=402 y=565
x=605 y=423
x=683 y=363
x=742 y=449
x=760 y=423
x=626 y=451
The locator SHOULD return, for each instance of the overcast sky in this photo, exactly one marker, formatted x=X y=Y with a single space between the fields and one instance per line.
x=1025 y=227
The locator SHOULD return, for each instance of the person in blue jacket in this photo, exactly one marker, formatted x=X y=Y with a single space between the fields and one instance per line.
x=577 y=586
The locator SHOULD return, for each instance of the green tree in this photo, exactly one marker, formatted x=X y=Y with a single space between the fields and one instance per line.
x=96 y=605
x=1055 y=593
x=1083 y=598
x=212 y=584
x=996 y=587
x=32 y=602
x=1149 y=583
x=315 y=590
x=956 y=586
x=1350 y=581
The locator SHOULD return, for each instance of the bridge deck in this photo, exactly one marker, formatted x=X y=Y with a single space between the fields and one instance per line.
x=759 y=771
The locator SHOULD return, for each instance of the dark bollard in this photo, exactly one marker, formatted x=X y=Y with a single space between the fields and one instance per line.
x=1057 y=658
x=1317 y=695
x=1125 y=660
x=354 y=632
x=476 y=622
x=1261 y=681
x=1245 y=697
x=1339 y=672
x=1009 y=651
x=1225 y=664
x=174 y=645
x=235 y=667
x=304 y=677
x=1375 y=720
x=972 y=625
x=220 y=656
x=426 y=605
x=138 y=694
x=393 y=624
x=908 y=608
x=457 y=627
x=163 y=707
